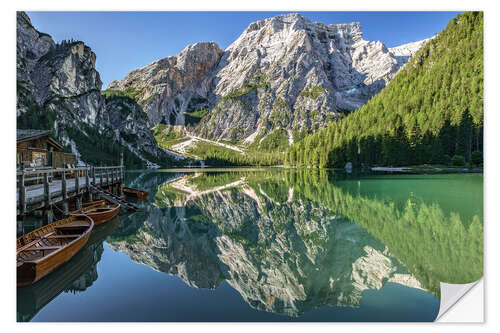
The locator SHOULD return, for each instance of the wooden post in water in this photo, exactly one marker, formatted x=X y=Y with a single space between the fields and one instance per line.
x=64 y=192
x=22 y=202
x=100 y=177
x=121 y=167
x=48 y=216
x=20 y=225
x=113 y=181
x=77 y=183
x=93 y=175
x=22 y=194
x=122 y=176
x=78 y=198
x=87 y=179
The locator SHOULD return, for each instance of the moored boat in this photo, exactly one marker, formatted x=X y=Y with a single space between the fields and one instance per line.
x=41 y=251
x=132 y=192
x=100 y=211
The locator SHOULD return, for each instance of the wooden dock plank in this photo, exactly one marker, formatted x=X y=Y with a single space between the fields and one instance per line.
x=34 y=193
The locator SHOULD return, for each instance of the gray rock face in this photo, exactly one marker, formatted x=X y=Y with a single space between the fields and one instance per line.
x=65 y=79
x=66 y=71
x=404 y=52
x=30 y=46
x=166 y=87
x=131 y=126
x=60 y=81
x=312 y=73
x=56 y=76
x=283 y=72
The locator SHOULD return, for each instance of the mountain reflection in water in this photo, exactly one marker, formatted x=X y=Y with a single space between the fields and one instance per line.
x=296 y=243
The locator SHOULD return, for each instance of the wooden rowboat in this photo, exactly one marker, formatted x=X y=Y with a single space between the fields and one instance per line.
x=132 y=192
x=93 y=203
x=100 y=211
x=43 y=250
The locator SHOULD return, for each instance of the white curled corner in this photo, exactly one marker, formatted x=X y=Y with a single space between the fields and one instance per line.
x=451 y=294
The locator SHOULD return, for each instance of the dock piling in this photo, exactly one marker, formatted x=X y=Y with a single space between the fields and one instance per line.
x=77 y=184
x=48 y=215
x=78 y=202
x=58 y=188
x=22 y=194
x=64 y=192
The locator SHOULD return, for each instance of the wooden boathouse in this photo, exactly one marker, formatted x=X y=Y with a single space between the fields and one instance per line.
x=48 y=180
x=35 y=148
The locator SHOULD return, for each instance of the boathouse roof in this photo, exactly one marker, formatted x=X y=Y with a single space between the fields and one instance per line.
x=23 y=135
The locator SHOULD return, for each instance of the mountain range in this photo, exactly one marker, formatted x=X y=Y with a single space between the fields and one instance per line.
x=283 y=78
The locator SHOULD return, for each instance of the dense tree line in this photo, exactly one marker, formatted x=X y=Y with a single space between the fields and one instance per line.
x=431 y=112
x=221 y=156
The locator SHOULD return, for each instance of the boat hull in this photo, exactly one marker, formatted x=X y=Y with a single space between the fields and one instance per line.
x=32 y=271
x=99 y=217
x=132 y=192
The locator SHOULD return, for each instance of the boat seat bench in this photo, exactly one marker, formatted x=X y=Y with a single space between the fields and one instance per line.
x=72 y=225
x=42 y=248
x=33 y=242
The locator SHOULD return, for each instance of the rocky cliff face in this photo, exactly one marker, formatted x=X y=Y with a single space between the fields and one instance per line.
x=284 y=72
x=60 y=89
x=31 y=45
x=404 y=52
x=169 y=87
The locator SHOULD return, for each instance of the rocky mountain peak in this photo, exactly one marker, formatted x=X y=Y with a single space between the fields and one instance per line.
x=166 y=86
x=404 y=52
x=31 y=44
x=193 y=59
x=282 y=73
x=67 y=69
x=309 y=74
x=194 y=56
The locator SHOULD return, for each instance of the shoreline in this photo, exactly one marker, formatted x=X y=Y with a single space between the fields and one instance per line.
x=373 y=170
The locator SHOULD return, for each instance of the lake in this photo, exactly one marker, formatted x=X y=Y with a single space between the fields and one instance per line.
x=272 y=245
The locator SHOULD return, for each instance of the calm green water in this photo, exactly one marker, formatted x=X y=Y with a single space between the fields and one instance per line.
x=272 y=245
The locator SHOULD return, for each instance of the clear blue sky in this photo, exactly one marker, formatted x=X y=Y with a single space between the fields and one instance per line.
x=124 y=41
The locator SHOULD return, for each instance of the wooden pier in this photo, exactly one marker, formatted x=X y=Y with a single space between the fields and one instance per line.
x=39 y=190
